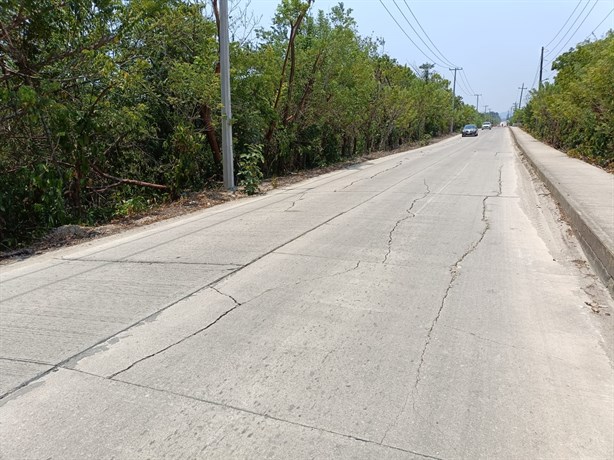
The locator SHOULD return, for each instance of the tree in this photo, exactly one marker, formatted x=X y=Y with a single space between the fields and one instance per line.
x=576 y=112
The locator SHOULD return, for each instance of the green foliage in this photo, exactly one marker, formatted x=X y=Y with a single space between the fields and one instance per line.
x=131 y=206
x=185 y=149
x=31 y=200
x=576 y=112
x=109 y=105
x=250 y=171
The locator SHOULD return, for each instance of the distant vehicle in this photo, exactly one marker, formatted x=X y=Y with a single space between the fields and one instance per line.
x=470 y=130
x=487 y=125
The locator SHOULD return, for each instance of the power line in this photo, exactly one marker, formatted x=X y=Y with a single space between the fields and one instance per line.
x=417 y=34
x=464 y=89
x=551 y=72
x=571 y=26
x=578 y=28
x=563 y=26
x=466 y=78
x=403 y=30
x=598 y=25
x=464 y=84
x=427 y=36
x=414 y=67
x=535 y=78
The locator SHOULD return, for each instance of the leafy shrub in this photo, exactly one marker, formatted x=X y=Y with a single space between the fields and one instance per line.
x=131 y=206
x=249 y=168
x=576 y=112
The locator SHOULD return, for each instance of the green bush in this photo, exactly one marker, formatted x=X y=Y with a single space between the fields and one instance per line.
x=576 y=112
x=249 y=168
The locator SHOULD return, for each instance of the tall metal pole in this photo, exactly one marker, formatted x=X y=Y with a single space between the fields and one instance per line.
x=521 y=91
x=453 y=98
x=477 y=102
x=227 y=157
x=541 y=68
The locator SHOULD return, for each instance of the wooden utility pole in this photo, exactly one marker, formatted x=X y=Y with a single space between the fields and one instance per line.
x=541 y=68
x=521 y=91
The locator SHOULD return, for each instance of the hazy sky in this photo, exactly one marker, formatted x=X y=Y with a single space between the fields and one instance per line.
x=496 y=42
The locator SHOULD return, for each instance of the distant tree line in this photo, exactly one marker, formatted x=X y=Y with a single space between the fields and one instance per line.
x=107 y=106
x=575 y=113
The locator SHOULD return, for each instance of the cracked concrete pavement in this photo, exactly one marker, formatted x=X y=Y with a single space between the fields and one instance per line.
x=424 y=305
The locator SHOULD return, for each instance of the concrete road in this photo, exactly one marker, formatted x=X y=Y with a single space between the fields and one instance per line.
x=430 y=304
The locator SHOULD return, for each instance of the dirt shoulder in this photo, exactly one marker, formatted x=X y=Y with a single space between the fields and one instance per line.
x=69 y=235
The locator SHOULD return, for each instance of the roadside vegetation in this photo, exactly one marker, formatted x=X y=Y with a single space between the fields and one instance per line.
x=108 y=107
x=575 y=113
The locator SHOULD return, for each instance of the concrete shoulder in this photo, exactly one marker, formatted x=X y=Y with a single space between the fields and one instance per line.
x=586 y=195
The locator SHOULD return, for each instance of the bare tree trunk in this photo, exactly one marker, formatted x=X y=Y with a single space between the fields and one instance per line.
x=206 y=116
x=216 y=12
x=290 y=55
x=308 y=87
x=76 y=196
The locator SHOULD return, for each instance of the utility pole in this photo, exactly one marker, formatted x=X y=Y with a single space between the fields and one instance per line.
x=541 y=68
x=485 y=110
x=521 y=91
x=227 y=157
x=453 y=98
x=477 y=102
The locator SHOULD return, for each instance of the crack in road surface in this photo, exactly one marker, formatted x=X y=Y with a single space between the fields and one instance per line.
x=300 y=198
x=232 y=266
x=251 y=412
x=25 y=361
x=371 y=177
x=455 y=273
x=410 y=214
x=183 y=339
x=268 y=416
x=237 y=304
x=105 y=339
x=308 y=280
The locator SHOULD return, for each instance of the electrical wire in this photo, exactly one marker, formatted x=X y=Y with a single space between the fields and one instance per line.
x=417 y=34
x=445 y=60
x=571 y=27
x=414 y=67
x=466 y=78
x=552 y=72
x=536 y=77
x=466 y=90
x=563 y=26
x=439 y=54
x=403 y=30
x=578 y=28
x=463 y=88
x=602 y=21
x=463 y=82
